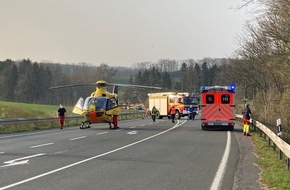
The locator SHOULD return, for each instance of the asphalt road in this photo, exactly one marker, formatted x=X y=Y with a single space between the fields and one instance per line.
x=141 y=155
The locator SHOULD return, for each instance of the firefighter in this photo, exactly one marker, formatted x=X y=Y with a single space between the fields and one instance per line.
x=247 y=115
x=154 y=112
x=172 y=112
x=191 y=113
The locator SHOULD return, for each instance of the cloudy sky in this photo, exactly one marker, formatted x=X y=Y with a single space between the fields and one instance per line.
x=119 y=32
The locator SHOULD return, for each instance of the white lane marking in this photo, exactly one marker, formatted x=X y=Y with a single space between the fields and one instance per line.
x=102 y=133
x=78 y=138
x=142 y=125
x=2 y=152
x=222 y=167
x=132 y=127
x=88 y=159
x=40 y=145
x=132 y=133
x=23 y=158
x=59 y=152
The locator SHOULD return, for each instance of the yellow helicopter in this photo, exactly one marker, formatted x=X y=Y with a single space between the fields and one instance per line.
x=101 y=105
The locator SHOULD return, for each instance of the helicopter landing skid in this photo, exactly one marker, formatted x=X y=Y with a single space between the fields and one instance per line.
x=110 y=125
x=83 y=123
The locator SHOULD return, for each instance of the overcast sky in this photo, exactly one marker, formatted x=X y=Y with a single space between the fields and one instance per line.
x=119 y=32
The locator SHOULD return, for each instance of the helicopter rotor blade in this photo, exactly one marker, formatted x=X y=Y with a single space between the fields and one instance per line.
x=115 y=88
x=71 y=85
x=134 y=85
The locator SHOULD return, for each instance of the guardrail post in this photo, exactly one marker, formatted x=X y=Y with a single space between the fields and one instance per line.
x=280 y=154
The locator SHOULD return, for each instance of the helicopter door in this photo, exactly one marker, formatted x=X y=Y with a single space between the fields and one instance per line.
x=112 y=107
x=111 y=103
x=87 y=103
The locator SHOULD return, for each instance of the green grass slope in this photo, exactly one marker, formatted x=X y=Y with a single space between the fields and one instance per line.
x=25 y=110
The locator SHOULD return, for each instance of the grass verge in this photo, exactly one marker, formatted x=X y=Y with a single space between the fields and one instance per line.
x=274 y=171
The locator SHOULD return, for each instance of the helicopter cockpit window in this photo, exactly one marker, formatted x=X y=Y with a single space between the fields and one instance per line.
x=88 y=102
x=100 y=103
x=112 y=103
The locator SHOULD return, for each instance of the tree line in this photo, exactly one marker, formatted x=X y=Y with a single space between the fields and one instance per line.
x=29 y=82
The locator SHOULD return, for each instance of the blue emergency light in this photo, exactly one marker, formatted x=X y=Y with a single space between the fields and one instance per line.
x=218 y=88
x=232 y=87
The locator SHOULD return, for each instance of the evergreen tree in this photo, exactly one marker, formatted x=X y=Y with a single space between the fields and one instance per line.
x=197 y=78
x=166 y=81
x=183 y=78
x=8 y=80
x=205 y=74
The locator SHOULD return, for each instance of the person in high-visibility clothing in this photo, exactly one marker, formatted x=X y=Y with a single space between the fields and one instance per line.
x=154 y=112
x=172 y=113
x=247 y=115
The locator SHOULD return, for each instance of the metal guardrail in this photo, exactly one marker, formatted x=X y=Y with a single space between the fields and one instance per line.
x=284 y=148
x=35 y=121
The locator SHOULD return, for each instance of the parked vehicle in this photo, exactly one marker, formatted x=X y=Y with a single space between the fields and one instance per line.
x=181 y=101
x=218 y=107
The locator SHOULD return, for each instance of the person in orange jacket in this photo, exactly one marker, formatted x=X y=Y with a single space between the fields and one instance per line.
x=172 y=113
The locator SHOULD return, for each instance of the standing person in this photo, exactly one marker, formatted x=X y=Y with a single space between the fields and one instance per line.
x=191 y=113
x=172 y=112
x=247 y=115
x=61 y=115
x=154 y=112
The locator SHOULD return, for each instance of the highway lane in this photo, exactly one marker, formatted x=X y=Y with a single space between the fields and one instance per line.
x=140 y=155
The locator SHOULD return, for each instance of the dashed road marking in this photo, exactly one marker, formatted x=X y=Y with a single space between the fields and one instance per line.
x=132 y=133
x=77 y=138
x=40 y=145
x=101 y=133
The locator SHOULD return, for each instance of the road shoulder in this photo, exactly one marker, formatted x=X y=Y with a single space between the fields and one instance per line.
x=247 y=174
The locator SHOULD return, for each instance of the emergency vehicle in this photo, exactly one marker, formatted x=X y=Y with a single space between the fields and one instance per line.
x=218 y=107
x=181 y=101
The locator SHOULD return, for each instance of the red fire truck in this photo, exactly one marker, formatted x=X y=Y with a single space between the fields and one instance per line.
x=182 y=101
x=218 y=107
